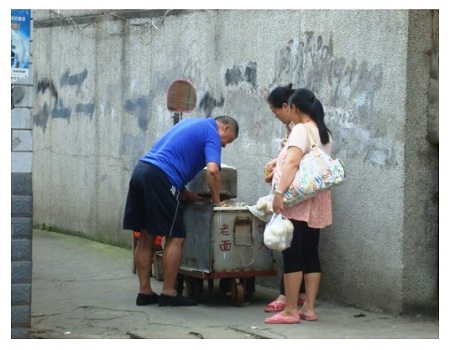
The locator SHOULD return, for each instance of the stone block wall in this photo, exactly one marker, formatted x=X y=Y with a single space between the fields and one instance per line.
x=21 y=206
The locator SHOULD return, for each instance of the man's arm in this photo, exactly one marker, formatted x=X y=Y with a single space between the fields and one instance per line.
x=213 y=181
x=188 y=196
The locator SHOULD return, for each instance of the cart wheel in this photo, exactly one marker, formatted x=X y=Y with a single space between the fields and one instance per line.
x=249 y=287
x=210 y=284
x=237 y=292
x=194 y=288
x=188 y=282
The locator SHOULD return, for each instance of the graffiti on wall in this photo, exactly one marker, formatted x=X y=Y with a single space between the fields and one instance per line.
x=54 y=105
x=73 y=79
x=139 y=108
x=312 y=63
x=347 y=89
x=236 y=75
x=208 y=103
x=45 y=84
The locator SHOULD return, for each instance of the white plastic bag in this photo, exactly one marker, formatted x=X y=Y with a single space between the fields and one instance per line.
x=263 y=204
x=278 y=233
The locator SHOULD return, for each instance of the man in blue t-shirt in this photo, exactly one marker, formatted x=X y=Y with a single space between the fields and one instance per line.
x=156 y=188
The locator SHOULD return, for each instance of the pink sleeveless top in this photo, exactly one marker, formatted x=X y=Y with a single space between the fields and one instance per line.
x=316 y=211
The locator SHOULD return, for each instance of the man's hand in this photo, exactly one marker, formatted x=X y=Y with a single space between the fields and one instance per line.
x=213 y=181
x=188 y=196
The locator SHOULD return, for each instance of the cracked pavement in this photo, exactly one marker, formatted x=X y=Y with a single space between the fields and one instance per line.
x=86 y=290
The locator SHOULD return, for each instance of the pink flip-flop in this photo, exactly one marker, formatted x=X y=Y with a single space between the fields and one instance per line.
x=306 y=317
x=275 y=306
x=280 y=319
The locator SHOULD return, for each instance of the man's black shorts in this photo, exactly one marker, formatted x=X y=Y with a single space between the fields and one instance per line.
x=152 y=203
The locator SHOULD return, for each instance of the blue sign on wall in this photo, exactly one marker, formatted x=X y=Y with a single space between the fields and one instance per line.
x=20 y=43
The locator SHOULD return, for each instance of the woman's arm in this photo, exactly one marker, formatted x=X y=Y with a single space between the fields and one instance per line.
x=293 y=157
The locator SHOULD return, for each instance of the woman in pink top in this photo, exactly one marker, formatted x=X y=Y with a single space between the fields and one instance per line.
x=308 y=217
x=278 y=101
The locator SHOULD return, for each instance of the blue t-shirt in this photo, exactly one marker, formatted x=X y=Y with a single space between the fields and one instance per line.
x=185 y=149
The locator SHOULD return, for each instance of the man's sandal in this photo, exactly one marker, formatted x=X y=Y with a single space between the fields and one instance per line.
x=275 y=306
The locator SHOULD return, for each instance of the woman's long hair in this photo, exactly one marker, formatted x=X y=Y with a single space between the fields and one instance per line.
x=306 y=101
x=280 y=95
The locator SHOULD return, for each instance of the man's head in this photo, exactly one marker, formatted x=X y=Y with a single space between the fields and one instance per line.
x=228 y=129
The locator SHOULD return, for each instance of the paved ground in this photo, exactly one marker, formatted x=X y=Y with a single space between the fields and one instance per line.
x=86 y=290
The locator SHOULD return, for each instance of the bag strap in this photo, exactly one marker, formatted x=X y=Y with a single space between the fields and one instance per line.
x=316 y=152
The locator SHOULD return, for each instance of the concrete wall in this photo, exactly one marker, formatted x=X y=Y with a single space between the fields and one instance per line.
x=101 y=79
x=421 y=176
x=21 y=204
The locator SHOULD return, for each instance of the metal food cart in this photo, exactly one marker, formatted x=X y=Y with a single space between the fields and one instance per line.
x=223 y=243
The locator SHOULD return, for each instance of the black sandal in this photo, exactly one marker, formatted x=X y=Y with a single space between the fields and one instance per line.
x=176 y=300
x=147 y=299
